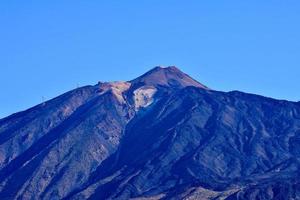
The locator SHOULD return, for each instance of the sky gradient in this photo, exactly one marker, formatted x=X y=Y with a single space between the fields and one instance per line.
x=50 y=47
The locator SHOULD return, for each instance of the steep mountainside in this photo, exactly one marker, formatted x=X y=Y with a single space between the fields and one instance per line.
x=160 y=136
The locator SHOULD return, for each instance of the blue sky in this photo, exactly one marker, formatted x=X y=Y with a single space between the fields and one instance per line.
x=48 y=47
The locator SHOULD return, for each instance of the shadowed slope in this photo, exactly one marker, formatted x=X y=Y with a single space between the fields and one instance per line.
x=201 y=139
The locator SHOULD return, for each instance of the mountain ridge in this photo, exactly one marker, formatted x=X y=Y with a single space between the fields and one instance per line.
x=160 y=136
x=129 y=81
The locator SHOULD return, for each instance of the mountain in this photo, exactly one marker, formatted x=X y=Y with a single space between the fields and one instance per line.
x=162 y=135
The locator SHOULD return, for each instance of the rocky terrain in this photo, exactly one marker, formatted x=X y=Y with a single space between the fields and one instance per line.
x=160 y=136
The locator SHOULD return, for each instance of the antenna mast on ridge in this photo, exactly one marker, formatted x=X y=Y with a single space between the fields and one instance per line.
x=43 y=100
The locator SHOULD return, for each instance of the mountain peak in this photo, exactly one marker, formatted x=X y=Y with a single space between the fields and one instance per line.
x=152 y=140
x=167 y=76
x=161 y=68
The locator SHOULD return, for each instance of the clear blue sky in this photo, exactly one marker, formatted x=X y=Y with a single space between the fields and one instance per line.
x=48 y=47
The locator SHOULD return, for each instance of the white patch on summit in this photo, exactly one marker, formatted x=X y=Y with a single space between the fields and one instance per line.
x=143 y=96
x=117 y=89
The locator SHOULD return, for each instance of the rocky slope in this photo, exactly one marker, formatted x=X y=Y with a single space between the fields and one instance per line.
x=160 y=136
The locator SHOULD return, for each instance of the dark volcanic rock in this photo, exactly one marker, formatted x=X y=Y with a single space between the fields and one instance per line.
x=160 y=136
